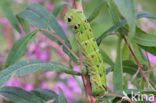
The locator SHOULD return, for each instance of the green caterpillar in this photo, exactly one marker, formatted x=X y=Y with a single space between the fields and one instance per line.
x=79 y=24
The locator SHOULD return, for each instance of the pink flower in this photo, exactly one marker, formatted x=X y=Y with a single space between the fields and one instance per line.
x=44 y=56
x=110 y=86
x=50 y=74
x=66 y=90
x=76 y=68
x=43 y=85
x=38 y=51
x=154 y=100
x=73 y=84
x=49 y=6
x=29 y=87
x=14 y=82
x=152 y=58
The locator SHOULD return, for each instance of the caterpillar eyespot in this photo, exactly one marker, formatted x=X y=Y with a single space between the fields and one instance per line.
x=69 y=19
x=96 y=70
x=76 y=26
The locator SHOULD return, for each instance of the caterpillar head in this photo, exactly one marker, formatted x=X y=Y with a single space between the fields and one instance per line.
x=75 y=20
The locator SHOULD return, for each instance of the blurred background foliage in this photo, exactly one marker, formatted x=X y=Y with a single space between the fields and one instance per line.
x=41 y=48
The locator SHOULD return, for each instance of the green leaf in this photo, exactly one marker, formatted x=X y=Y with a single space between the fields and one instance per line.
x=45 y=94
x=145 y=15
x=122 y=23
x=106 y=58
x=58 y=7
x=25 y=67
x=114 y=12
x=151 y=50
x=109 y=69
x=143 y=55
x=42 y=18
x=125 y=52
x=110 y=30
x=5 y=6
x=152 y=79
x=72 y=57
x=137 y=52
x=24 y=24
x=74 y=43
x=128 y=67
x=145 y=39
x=118 y=72
x=61 y=98
x=19 y=48
x=148 y=92
x=19 y=95
x=79 y=82
x=96 y=11
x=128 y=10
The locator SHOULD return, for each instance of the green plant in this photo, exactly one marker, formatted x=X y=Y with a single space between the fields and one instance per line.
x=131 y=40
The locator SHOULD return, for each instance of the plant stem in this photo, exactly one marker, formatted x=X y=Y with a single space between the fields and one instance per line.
x=85 y=78
x=59 y=39
x=57 y=47
x=148 y=61
x=74 y=4
x=79 y=5
x=86 y=82
x=8 y=36
x=140 y=66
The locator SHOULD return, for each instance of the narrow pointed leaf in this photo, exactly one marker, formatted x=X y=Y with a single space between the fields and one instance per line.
x=128 y=67
x=25 y=67
x=5 y=7
x=96 y=11
x=137 y=52
x=149 y=92
x=19 y=95
x=19 y=48
x=45 y=94
x=61 y=98
x=122 y=23
x=151 y=50
x=42 y=18
x=106 y=58
x=145 y=39
x=145 y=15
x=128 y=10
x=24 y=24
x=118 y=71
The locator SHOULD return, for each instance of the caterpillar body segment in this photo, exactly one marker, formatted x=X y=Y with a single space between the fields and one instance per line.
x=83 y=32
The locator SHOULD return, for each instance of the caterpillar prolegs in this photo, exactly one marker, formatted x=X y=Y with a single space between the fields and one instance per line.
x=79 y=24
